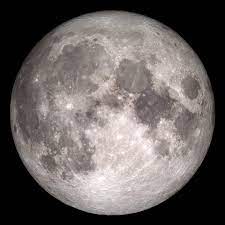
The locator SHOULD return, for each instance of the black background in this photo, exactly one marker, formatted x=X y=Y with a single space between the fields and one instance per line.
x=201 y=25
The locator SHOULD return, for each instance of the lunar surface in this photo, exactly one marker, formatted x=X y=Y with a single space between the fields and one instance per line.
x=112 y=112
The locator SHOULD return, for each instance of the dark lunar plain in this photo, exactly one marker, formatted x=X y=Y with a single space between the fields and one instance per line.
x=199 y=24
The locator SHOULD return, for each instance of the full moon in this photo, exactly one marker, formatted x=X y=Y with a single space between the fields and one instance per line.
x=112 y=112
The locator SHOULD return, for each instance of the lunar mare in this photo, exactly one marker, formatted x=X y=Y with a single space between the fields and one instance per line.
x=112 y=112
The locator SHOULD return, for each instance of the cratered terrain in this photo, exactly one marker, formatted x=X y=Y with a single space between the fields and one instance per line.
x=112 y=112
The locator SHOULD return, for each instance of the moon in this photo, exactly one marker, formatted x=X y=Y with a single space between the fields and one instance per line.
x=112 y=112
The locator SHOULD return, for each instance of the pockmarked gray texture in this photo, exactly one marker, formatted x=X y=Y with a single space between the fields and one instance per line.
x=112 y=112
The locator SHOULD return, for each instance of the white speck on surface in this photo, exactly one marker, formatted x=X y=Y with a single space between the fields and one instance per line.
x=69 y=106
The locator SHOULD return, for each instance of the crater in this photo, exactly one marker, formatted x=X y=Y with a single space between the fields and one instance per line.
x=165 y=27
x=132 y=37
x=67 y=174
x=191 y=87
x=186 y=123
x=208 y=85
x=112 y=101
x=56 y=38
x=150 y=107
x=83 y=119
x=133 y=77
x=57 y=138
x=15 y=129
x=90 y=116
x=81 y=156
x=153 y=59
x=26 y=102
x=48 y=163
x=78 y=155
x=162 y=149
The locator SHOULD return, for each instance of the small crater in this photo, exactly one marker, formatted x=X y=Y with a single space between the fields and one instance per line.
x=86 y=144
x=84 y=163
x=191 y=87
x=48 y=163
x=150 y=107
x=209 y=86
x=84 y=118
x=91 y=114
x=14 y=128
x=183 y=151
x=165 y=27
x=92 y=117
x=111 y=101
x=96 y=103
x=132 y=77
x=64 y=175
x=67 y=174
x=65 y=140
x=163 y=148
x=153 y=59
x=185 y=123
